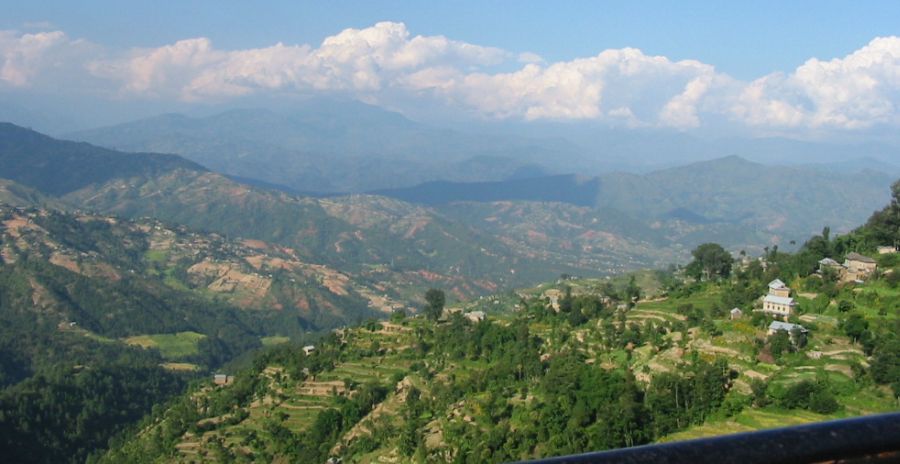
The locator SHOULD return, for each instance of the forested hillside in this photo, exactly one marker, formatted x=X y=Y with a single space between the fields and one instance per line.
x=567 y=367
x=102 y=318
x=58 y=167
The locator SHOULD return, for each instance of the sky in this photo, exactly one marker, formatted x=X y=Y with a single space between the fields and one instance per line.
x=795 y=67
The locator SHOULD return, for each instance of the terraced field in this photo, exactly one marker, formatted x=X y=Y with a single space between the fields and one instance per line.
x=171 y=346
x=747 y=421
x=296 y=403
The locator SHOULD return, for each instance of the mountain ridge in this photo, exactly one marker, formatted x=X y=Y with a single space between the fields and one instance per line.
x=330 y=146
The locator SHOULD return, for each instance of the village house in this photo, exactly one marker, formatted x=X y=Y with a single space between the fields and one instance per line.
x=736 y=313
x=778 y=302
x=792 y=329
x=222 y=379
x=779 y=306
x=553 y=295
x=778 y=288
x=475 y=316
x=886 y=250
x=309 y=349
x=775 y=326
x=828 y=263
x=858 y=266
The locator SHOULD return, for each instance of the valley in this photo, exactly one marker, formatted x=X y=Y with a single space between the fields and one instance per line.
x=450 y=232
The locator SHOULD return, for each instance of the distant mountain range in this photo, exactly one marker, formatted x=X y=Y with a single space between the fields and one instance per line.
x=401 y=246
x=468 y=237
x=332 y=146
x=731 y=192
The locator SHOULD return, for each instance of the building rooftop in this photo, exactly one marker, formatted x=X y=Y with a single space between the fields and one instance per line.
x=786 y=326
x=777 y=283
x=785 y=300
x=829 y=262
x=854 y=256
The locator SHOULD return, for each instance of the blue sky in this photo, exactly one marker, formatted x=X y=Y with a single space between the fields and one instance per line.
x=744 y=39
x=768 y=67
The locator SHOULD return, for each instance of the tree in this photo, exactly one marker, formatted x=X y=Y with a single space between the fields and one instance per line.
x=883 y=228
x=855 y=326
x=435 y=299
x=711 y=262
x=798 y=337
x=886 y=363
x=758 y=388
x=632 y=292
x=779 y=342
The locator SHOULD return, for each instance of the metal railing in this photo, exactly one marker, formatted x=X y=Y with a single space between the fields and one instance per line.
x=862 y=439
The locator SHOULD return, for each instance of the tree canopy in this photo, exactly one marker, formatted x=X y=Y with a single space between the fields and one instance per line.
x=711 y=262
x=435 y=303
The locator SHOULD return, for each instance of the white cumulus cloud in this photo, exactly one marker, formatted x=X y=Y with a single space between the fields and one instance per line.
x=857 y=91
x=22 y=56
x=385 y=63
x=355 y=60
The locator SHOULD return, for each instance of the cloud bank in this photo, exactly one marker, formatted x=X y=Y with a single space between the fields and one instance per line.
x=384 y=61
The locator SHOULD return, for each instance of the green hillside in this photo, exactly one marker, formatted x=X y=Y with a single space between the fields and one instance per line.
x=378 y=239
x=58 y=167
x=102 y=318
x=531 y=381
x=522 y=385
x=562 y=368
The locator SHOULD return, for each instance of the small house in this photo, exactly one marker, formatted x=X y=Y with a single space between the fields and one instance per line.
x=828 y=263
x=775 y=326
x=886 y=250
x=223 y=379
x=553 y=296
x=793 y=330
x=475 y=316
x=736 y=313
x=859 y=266
x=309 y=349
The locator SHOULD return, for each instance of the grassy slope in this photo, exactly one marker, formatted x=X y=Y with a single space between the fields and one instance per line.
x=171 y=346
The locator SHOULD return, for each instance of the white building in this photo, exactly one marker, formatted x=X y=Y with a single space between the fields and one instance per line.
x=778 y=302
x=475 y=316
x=781 y=306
